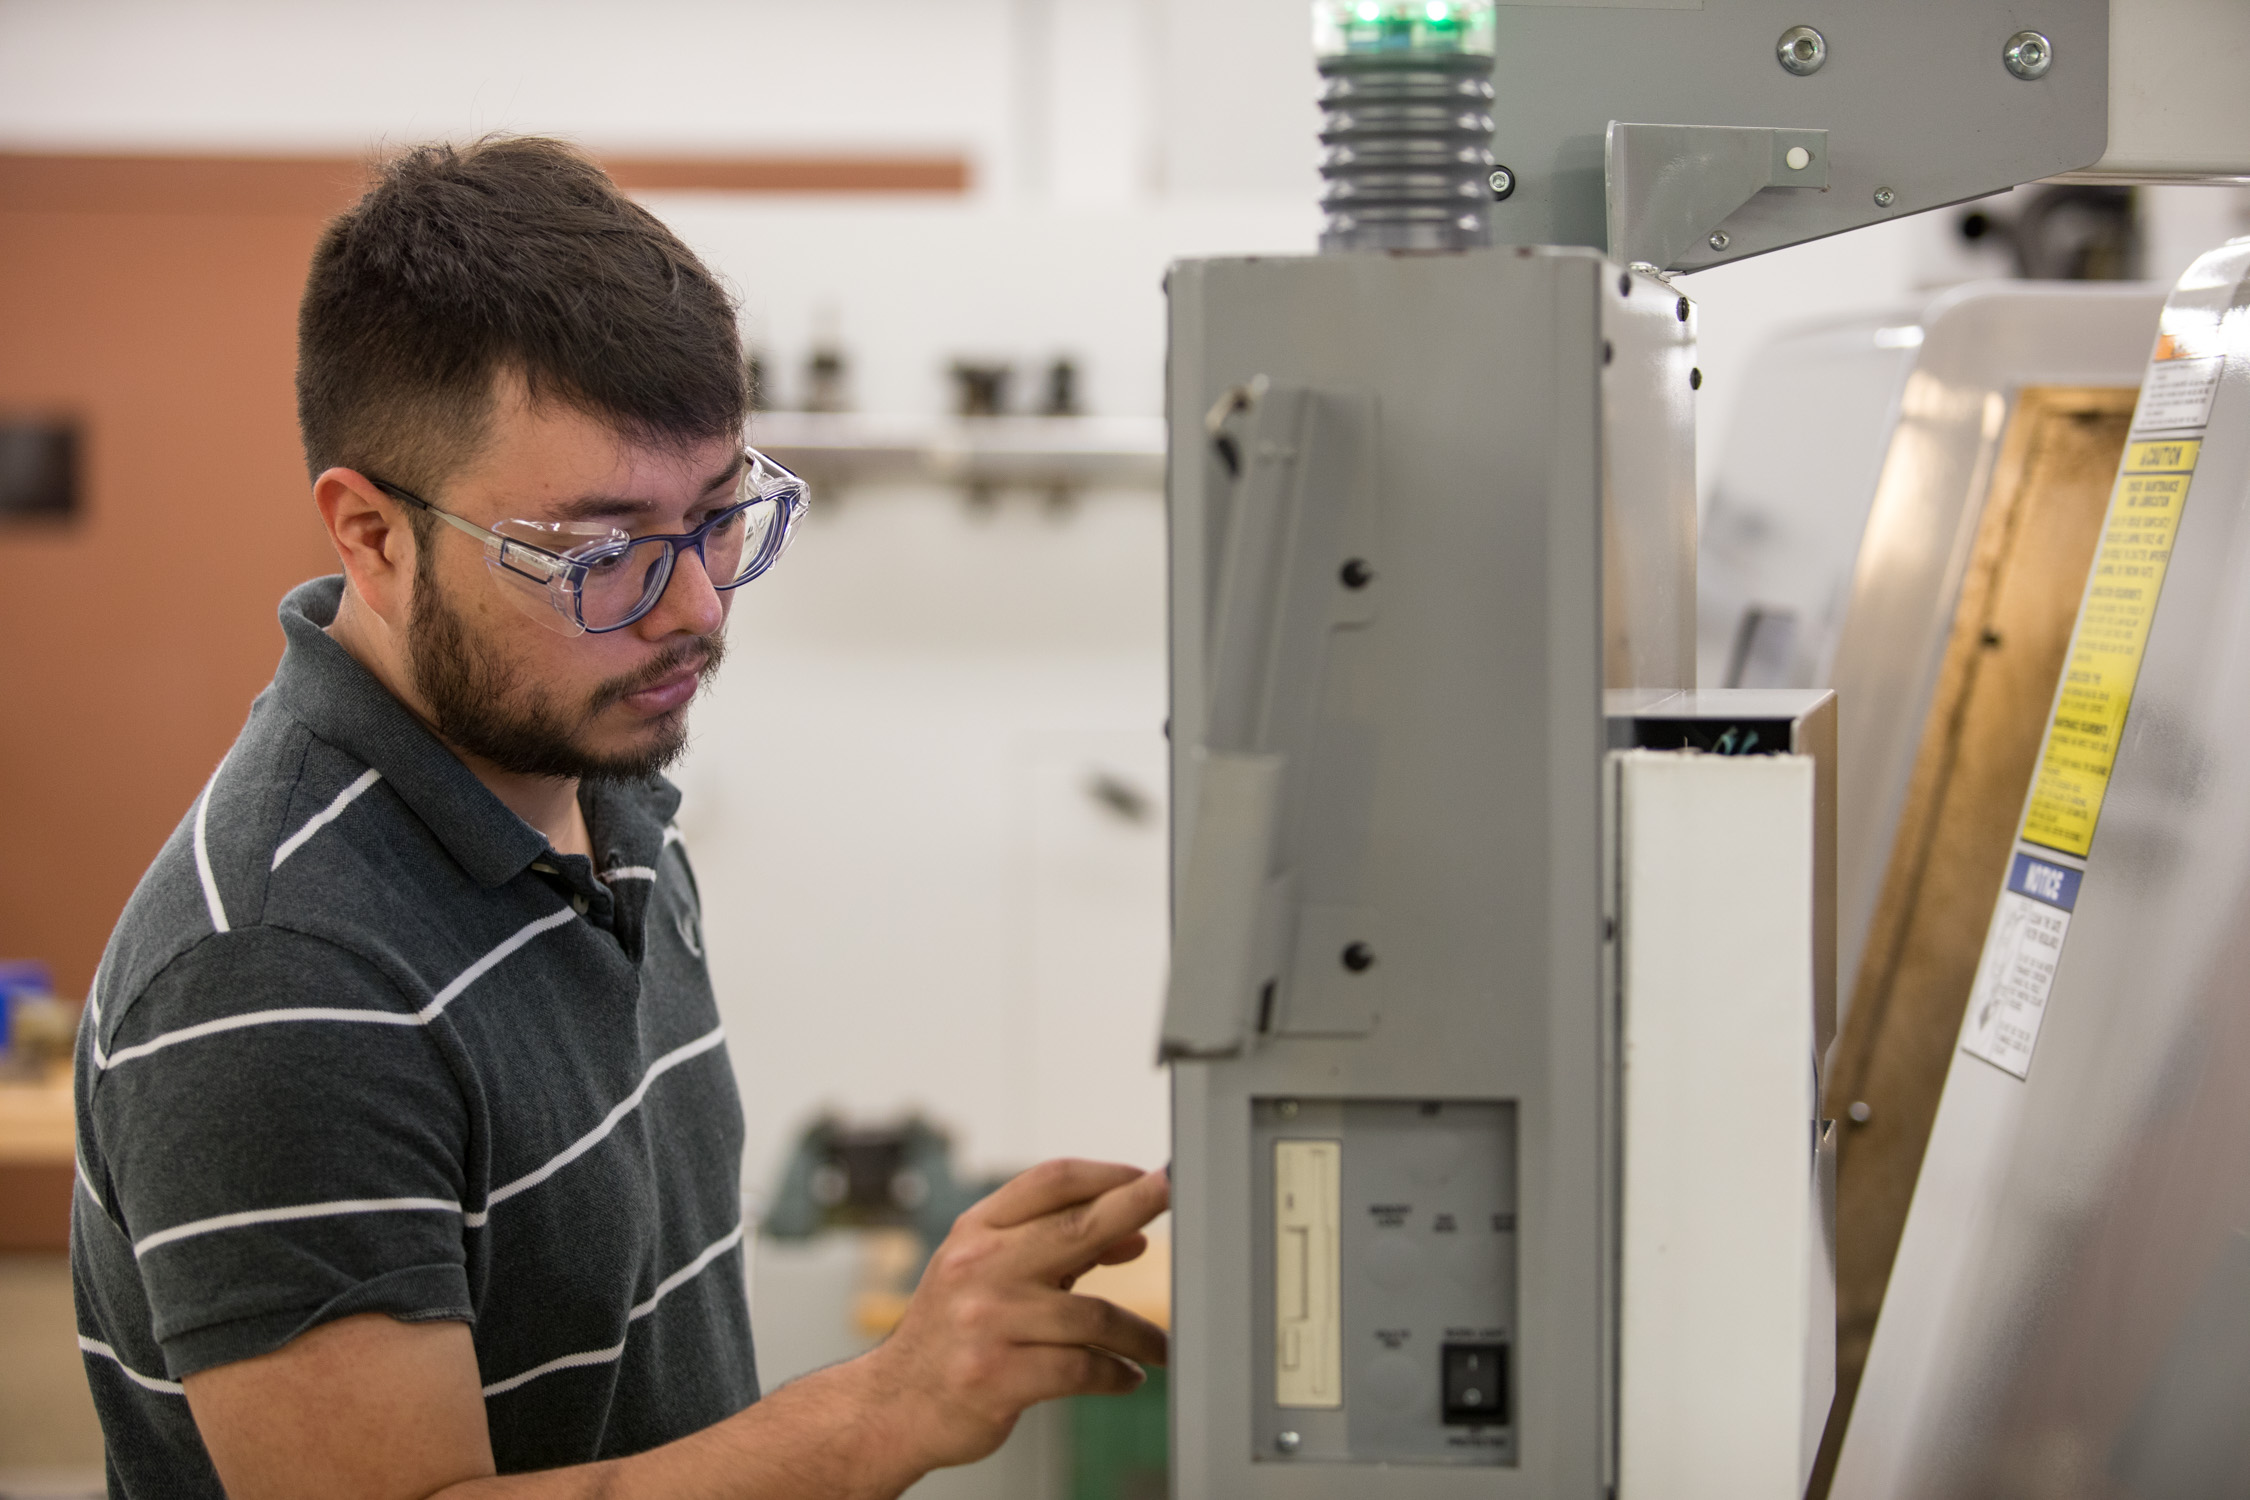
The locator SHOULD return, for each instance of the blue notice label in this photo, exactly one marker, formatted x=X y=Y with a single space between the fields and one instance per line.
x=2041 y=881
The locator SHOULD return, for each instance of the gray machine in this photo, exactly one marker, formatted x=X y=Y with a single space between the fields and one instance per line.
x=1449 y=1130
x=1388 y=718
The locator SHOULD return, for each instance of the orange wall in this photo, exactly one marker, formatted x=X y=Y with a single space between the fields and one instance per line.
x=155 y=300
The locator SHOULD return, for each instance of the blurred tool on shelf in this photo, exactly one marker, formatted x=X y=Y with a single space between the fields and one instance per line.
x=980 y=387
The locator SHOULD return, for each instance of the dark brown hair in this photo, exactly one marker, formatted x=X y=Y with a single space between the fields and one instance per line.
x=514 y=254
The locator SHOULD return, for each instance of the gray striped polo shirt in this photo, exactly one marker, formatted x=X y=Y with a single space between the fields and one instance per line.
x=363 y=1042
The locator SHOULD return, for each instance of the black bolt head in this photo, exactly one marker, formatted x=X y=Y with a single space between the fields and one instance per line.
x=1358 y=957
x=1695 y=379
x=1355 y=573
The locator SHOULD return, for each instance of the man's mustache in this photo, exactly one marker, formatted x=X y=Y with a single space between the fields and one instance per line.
x=704 y=653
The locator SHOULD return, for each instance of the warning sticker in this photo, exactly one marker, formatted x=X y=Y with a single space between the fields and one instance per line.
x=2023 y=946
x=2178 y=395
x=2105 y=654
x=2009 y=999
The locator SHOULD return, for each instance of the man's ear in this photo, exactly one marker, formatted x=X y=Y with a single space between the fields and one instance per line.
x=371 y=536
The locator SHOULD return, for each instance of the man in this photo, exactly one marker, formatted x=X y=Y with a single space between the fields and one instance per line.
x=409 y=1146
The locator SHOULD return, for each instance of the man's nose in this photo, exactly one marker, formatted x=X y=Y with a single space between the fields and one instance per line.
x=690 y=604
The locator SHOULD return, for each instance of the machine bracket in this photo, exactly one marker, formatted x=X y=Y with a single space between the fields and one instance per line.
x=1299 y=562
x=1672 y=188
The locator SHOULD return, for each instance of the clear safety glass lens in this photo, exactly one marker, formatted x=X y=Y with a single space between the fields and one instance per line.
x=531 y=561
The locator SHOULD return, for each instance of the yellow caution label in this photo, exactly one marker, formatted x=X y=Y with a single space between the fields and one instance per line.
x=2105 y=654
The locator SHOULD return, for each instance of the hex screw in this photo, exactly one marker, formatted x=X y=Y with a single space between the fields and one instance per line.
x=1801 y=50
x=1884 y=197
x=1719 y=239
x=1288 y=1442
x=2029 y=55
x=1624 y=284
x=1681 y=308
x=1287 y=1109
x=1695 y=378
x=1355 y=573
x=1502 y=182
x=1358 y=957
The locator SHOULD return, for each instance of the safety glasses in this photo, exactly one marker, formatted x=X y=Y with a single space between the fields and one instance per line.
x=579 y=577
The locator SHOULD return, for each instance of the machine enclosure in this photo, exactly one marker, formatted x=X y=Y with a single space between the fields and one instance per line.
x=1393 y=882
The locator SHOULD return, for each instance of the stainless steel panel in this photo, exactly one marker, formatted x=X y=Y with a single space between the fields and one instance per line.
x=2063 y=1318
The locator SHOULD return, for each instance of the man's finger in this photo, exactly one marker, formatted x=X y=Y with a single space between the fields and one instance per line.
x=1046 y=1371
x=1047 y=1187
x=1066 y=1318
x=1068 y=1238
x=1132 y=1247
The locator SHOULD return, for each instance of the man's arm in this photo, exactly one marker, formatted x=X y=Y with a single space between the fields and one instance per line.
x=369 y=1408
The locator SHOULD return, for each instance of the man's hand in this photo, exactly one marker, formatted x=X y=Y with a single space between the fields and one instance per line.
x=369 y=1408
x=994 y=1326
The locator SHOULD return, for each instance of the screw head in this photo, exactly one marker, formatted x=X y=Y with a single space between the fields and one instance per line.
x=2029 y=55
x=1861 y=1112
x=1287 y=1109
x=1355 y=573
x=1801 y=50
x=1884 y=197
x=1719 y=240
x=1358 y=957
x=1695 y=379
x=1502 y=182
x=1288 y=1442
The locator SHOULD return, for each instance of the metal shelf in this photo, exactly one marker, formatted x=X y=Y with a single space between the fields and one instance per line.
x=985 y=452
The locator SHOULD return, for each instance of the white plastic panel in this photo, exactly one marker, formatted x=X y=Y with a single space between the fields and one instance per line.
x=1721 y=1392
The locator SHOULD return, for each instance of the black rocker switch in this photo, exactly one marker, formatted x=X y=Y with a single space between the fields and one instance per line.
x=1476 y=1383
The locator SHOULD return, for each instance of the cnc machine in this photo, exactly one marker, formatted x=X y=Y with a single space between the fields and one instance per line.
x=1504 y=958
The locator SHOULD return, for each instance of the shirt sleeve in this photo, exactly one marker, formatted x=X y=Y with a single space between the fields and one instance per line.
x=284 y=1142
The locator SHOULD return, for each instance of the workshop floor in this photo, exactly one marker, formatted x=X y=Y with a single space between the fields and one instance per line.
x=50 y=1443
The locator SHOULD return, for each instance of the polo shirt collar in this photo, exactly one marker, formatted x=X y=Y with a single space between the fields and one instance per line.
x=341 y=701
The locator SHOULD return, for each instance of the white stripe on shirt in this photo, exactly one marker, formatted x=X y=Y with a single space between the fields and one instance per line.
x=357 y=1014
x=628 y=872
x=325 y=816
x=594 y=1137
x=664 y=1288
x=211 y=900
x=93 y=1195
x=248 y=1217
x=147 y=1382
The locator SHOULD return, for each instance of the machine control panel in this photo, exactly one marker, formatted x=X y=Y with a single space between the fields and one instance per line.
x=1385 y=1281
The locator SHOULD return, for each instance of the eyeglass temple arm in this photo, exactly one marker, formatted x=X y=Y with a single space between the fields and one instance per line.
x=502 y=545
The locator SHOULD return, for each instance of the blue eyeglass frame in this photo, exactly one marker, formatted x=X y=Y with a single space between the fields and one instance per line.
x=560 y=573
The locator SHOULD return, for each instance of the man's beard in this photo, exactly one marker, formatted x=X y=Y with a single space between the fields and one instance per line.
x=480 y=706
